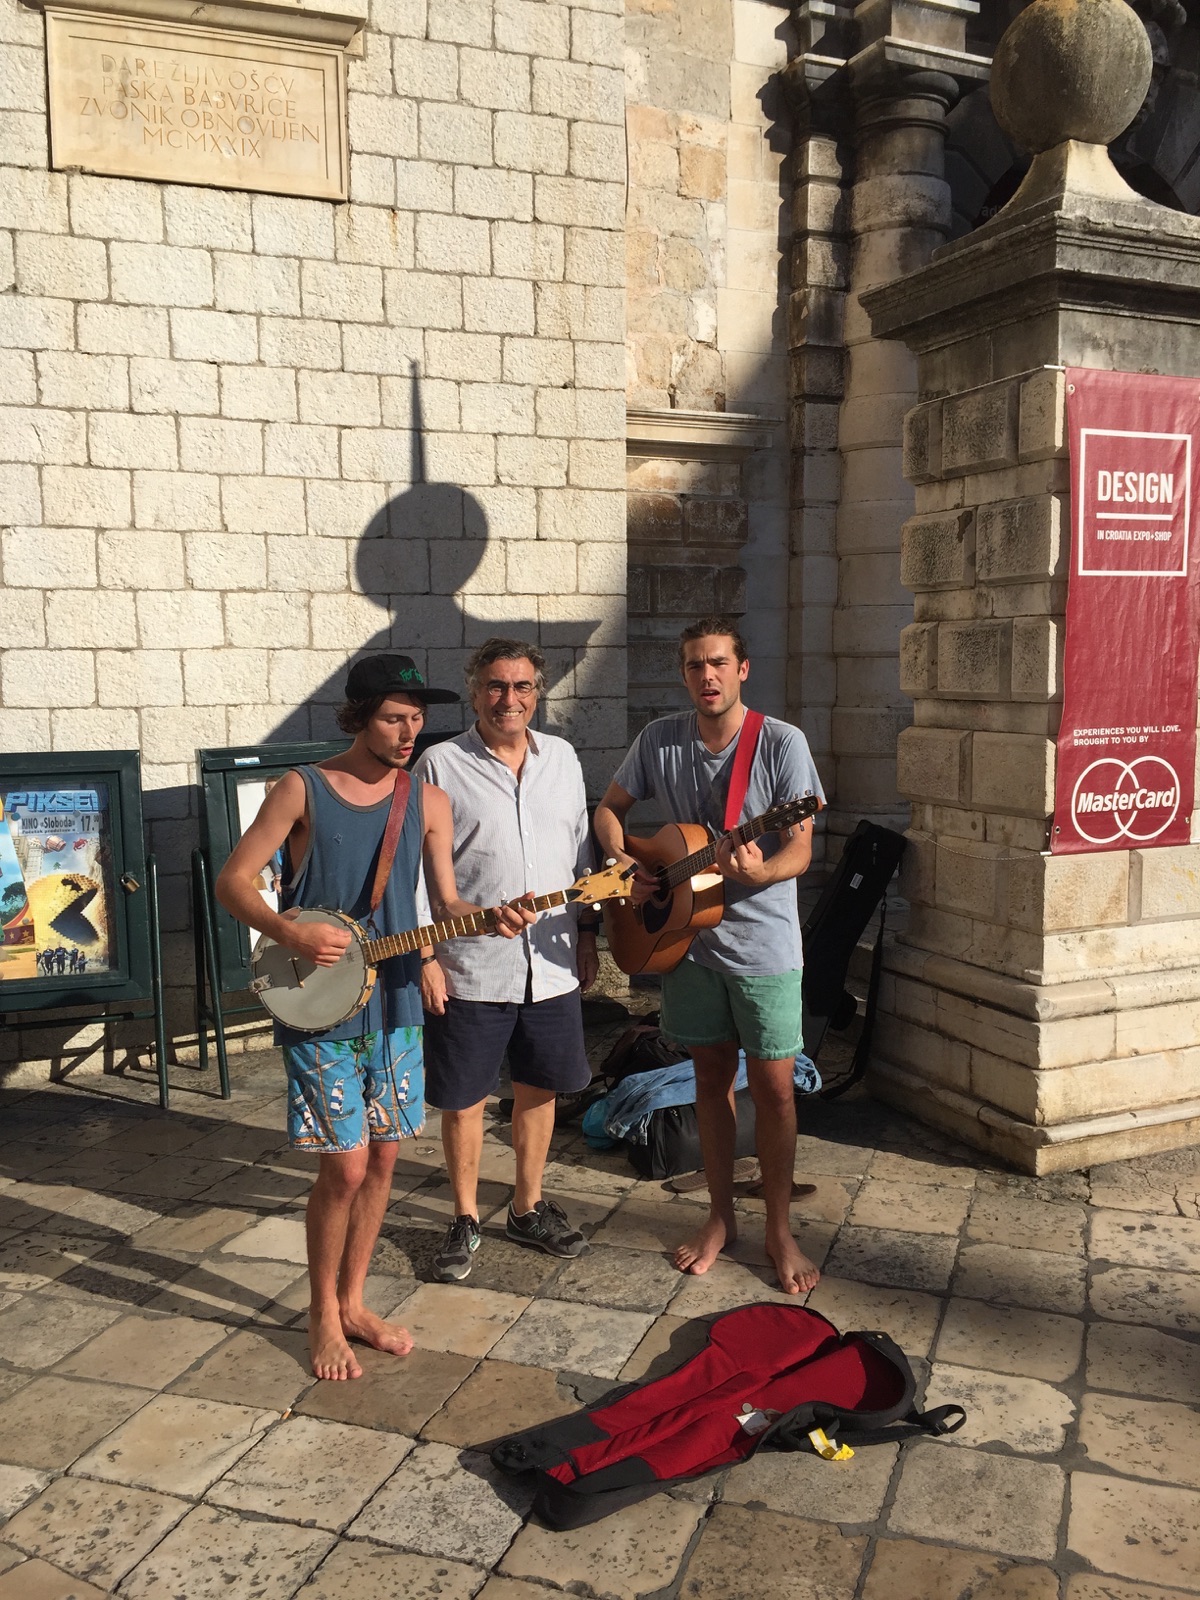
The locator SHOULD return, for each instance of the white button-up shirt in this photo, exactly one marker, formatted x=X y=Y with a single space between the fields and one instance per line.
x=512 y=838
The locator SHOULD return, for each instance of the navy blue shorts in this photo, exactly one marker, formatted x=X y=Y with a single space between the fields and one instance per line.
x=464 y=1050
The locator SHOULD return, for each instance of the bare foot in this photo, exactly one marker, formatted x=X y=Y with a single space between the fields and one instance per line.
x=366 y=1327
x=797 y=1274
x=699 y=1252
x=331 y=1356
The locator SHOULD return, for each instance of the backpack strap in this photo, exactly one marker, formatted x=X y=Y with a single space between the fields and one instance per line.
x=862 y=1050
x=743 y=760
x=792 y=1430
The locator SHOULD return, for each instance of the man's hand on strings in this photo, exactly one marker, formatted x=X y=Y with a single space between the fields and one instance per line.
x=513 y=917
x=744 y=863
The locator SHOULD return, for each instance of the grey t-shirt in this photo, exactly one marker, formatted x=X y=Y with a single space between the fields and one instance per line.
x=669 y=762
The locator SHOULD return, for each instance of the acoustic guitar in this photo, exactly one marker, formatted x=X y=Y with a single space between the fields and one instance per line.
x=310 y=999
x=654 y=937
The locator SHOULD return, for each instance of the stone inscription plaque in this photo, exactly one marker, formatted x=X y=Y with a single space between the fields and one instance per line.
x=145 y=99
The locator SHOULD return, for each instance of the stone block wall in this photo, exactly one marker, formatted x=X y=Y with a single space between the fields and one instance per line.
x=687 y=527
x=1044 y=1006
x=707 y=237
x=218 y=480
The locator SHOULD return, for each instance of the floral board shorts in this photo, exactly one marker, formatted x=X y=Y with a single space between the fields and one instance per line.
x=347 y=1093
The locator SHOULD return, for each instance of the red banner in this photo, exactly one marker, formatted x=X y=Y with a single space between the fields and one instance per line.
x=1127 y=742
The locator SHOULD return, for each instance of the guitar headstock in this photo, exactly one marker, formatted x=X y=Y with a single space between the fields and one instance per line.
x=610 y=883
x=790 y=812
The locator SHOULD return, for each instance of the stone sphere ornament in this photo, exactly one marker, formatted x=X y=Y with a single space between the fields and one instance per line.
x=1070 y=69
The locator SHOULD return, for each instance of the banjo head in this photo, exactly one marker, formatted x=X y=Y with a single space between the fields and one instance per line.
x=306 y=997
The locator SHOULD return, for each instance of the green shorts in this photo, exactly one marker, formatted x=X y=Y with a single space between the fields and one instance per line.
x=762 y=1014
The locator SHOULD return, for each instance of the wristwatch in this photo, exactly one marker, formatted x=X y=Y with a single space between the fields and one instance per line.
x=425 y=960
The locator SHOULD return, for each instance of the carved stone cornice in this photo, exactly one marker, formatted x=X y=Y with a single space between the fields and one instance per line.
x=697 y=435
x=1082 y=256
x=321 y=21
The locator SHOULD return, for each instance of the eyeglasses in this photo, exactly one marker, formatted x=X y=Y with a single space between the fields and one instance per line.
x=495 y=690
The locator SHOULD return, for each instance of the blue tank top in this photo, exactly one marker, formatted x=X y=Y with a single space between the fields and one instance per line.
x=337 y=872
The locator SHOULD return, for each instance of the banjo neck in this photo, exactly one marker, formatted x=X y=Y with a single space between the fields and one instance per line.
x=399 y=944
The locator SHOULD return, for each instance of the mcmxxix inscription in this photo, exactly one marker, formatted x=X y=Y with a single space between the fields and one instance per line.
x=147 y=99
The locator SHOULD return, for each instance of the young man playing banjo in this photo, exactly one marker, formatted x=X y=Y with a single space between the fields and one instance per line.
x=520 y=818
x=355 y=829
x=739 y=983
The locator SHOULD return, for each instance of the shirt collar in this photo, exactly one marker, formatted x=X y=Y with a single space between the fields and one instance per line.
x=479 y=744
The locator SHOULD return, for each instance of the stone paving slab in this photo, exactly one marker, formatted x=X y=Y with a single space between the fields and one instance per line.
x=1018 y=1275
x=988 y=1502
x=266 y=1369
x=912 y=1207
x=761 y=1555
x=1154 y=1298
x=214 y=1554
x=316 y=1473
x=17 y=1486
x=38 y=1580
x=444 y=1502
x=51 y=1421
x=399 y=1396
x=359 y=1571
x=902 y=1567
x=637 y=1554
x=97 y=1531
x=497 y=1399
x=156 y=1356
x=1024 y=1414
x=1142 y=1438
x=582 y=1338
x=893 y=1258
x=1143 y=1531
x=176 y=1444
x=1142 y=1361
x=460 y=1318
x=1031 y=1344
x=845 y=1492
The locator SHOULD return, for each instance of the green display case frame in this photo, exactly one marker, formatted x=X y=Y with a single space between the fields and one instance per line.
x=136 y=974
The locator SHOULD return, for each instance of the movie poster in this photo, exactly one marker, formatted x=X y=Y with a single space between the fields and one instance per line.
x=251 y=792
x=55 y=883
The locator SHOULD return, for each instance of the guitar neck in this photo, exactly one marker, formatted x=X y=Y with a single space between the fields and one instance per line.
x=401 y=944
x=700 y=860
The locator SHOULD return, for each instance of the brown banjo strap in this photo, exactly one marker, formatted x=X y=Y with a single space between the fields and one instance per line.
x=391 y=837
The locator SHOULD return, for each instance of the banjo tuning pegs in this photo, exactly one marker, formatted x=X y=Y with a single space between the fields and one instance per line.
x=611 y=861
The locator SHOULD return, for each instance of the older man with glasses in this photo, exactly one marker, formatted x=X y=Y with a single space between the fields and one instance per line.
x=520 y=827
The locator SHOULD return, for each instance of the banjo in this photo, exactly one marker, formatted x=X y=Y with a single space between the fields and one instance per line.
x=309 y=999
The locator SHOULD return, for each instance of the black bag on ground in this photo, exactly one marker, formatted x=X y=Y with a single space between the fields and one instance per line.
x=770 y=1376
x=836 y=923
x=673 y=1139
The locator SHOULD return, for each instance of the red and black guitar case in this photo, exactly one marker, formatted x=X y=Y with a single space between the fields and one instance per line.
x=770 y=1375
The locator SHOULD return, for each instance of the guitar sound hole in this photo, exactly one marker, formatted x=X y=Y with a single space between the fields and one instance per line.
x=655 y=912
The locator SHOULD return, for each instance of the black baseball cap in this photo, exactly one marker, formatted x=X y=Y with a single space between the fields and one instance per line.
x=381 y=675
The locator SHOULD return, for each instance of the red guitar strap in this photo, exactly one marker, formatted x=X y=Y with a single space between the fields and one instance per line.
x=391 y=836
x=743 y=760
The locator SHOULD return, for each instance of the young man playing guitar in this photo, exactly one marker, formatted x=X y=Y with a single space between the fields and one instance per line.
x=355 y=1090
x=739 y=984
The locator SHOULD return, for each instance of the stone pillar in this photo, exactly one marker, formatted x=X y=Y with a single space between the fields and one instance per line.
x=816 y=358
x=1045 y=1008
x=904 y=76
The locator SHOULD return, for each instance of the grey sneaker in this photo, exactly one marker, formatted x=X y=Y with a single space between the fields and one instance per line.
x=546 y=1228
x=453 y=1261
